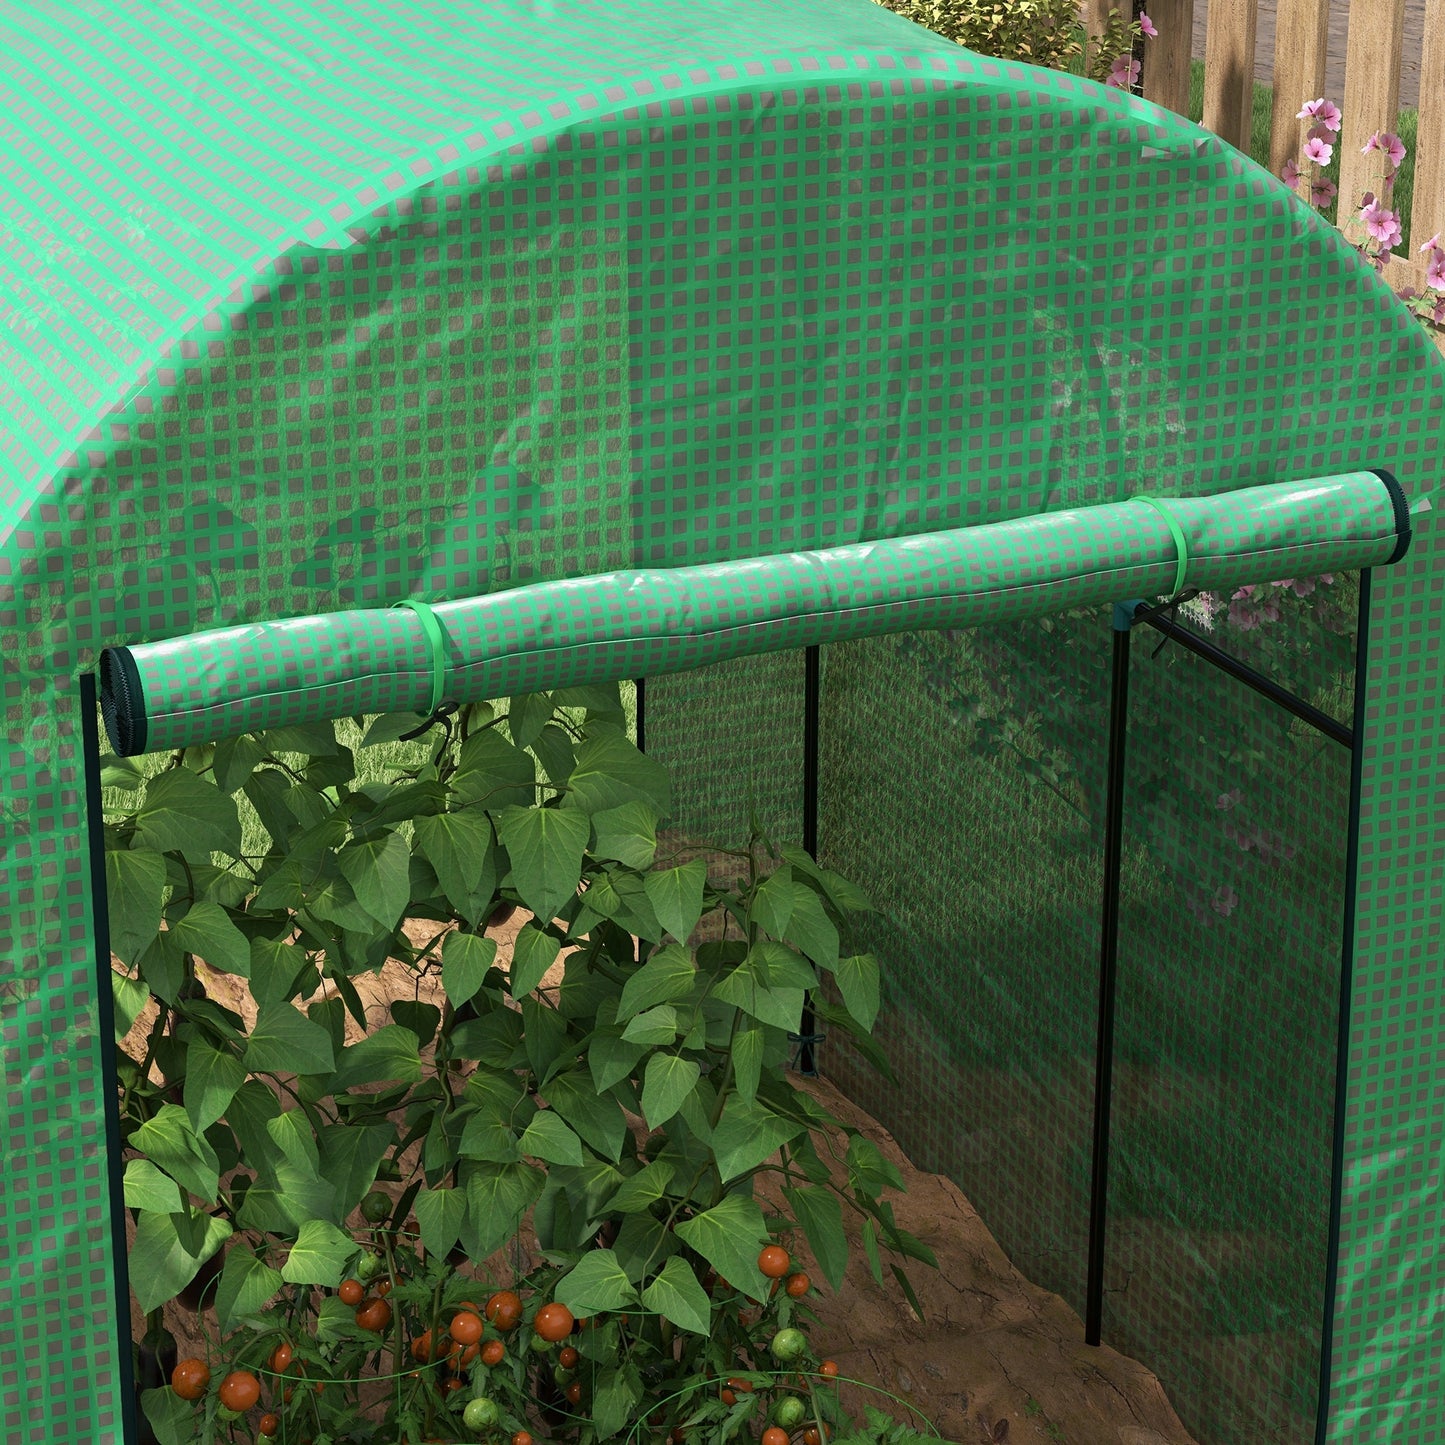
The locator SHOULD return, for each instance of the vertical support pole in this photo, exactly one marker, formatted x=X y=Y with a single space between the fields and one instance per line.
x=1301 y=39
x=640 y=684
x=812 y=707
x=1372 y=99
x=1108 y=971
x=1342 y=1041
x=105 y=1024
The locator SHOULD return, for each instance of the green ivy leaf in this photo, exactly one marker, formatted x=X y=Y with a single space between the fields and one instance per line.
x=466 y=957
x=666 y=1083
x=548 y=1138
x=627 y=833
x=676 y=1295
x=773 y=902
x=655 y=1026
x=747 y=1134
x=870 y=1250
x=746 y=987
x=212 y=1078
x=320 y=1253
x=533 y=953
x=379 y=873
x=440 y=1214
x=610 y=1058
x=135 y=884
x=611 y=771
x=811 y=930
x=333 y=900
x=184 y=813
x=207 y=931
x=285 y=1041
x=145 y=1187
x=527 y=715
x=292 y=1134
x=676 y=896
x=160 y=1264
x=246 y=1286
x=644 y=1188
x=235 y=761
x=783 y=967
x=616 y=1394
x=350 y=1156
x=669 y=974
x=390 y=1053
x=730 y=1236
x=749 y=1045
x=462 y=850
x=868 y=1171
x=598 y=1119
x=171 y=1418
x=545 y=846
x=131 y=996
x=819 y=1212
x=276 y=971
x=169 y=1140
x=545 y=1037
x=858 y=983
x=596 y=1284
x=493 y=772
x=498 y=1195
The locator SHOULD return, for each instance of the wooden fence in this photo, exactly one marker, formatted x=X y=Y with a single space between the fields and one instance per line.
x=1371 y=93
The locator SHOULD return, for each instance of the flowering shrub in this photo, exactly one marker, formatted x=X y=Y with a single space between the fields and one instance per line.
x=1376 y=229
x=1037 y=32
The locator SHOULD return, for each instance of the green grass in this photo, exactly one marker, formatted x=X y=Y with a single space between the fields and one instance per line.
x=1261 y=115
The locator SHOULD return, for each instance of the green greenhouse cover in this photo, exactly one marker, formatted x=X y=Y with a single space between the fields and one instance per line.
x=511 y=309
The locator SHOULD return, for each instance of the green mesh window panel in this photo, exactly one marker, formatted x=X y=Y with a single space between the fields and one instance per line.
x=1237 y=819
x=732 y=734
x=976 y=832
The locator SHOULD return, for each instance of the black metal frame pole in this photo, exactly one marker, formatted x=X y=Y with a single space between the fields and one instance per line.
x=1108 y=973
x=1203 y=647
x=640 y=686
x=812 y=705
x=105 y=1024
x=1343 y=1024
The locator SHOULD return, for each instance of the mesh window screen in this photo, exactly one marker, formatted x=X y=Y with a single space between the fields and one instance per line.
x=1236 y=821
x=976 y=835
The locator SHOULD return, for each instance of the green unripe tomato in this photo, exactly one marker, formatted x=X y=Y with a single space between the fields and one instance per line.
x=790 y=1412
x=369 y=1265
x=480 y=1413
x=376 y=1207
x=788 y=1345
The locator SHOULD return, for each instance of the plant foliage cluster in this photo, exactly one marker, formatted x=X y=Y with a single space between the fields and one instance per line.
x=341 y=1184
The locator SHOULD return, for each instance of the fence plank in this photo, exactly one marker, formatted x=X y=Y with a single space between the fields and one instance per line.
x=1166 y=60
x=1229 y=69
x=1372 y=97
x=1095 y=14
x=1427 y=213
x=1301 y=39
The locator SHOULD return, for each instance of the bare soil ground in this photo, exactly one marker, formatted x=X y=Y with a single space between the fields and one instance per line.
x=994 y=1358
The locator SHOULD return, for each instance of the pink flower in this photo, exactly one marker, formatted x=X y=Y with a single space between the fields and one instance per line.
x=1290 y=174
x=1318 y=151
x=1381 y=223
x=1390 y=143
x=1147 y=26
x=1435 y=270
x=1225 y=901
x=1326 y=112
x=1432 y=243
x=1123 y=73
x=1323 y=192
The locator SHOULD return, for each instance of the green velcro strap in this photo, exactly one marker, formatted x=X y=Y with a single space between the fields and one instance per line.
x=1181 y=545
x=436 y=643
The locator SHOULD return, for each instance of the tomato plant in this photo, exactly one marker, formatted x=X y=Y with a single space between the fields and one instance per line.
x=358 y=1179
